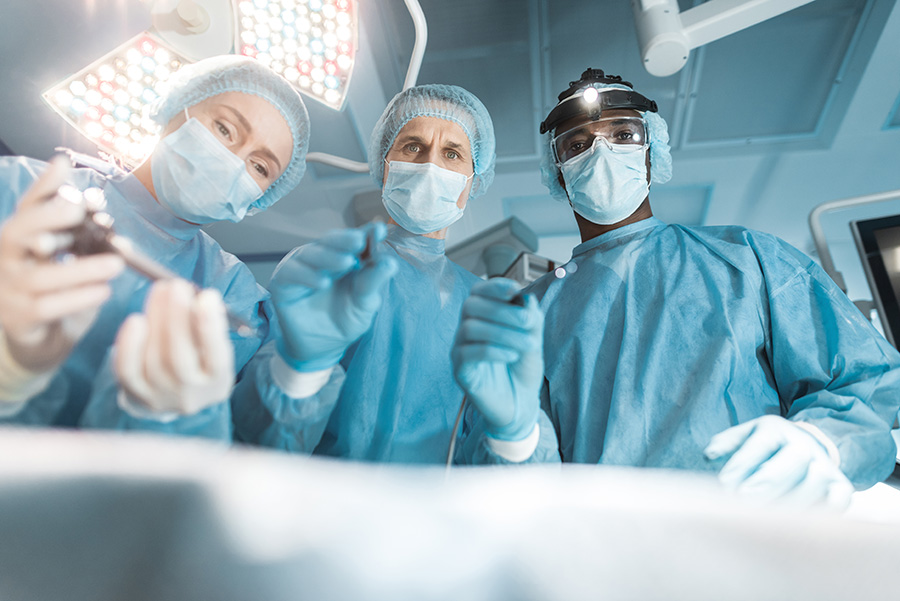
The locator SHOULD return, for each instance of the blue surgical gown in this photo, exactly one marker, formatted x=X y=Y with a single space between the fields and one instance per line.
x=663 y=336
x=399 y=399
x=180 y=246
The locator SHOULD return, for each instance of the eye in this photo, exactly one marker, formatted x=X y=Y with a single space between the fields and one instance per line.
x=223 y=130
x=261 y=169
x=576 y=145
x=628 y=134
x=412 y=147
x=452 y=155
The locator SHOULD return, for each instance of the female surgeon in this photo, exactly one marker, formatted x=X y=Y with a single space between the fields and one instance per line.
x=234 y=139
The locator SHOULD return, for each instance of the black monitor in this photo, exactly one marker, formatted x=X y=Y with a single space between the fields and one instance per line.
x=878 y=242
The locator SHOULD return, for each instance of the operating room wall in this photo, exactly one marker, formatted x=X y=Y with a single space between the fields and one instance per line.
x=771 y=190
x=767 y=187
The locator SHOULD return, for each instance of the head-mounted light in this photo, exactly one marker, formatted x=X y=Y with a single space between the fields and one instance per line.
x=589 y=96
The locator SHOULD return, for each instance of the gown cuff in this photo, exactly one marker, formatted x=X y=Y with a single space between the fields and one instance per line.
x=18 y=384
x=516 y=451
x=133 y=407
x=297 y=384
x=823 y=440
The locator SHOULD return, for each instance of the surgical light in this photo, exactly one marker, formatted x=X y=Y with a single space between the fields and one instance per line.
x=590 y=95
x=312 y=43
x=105 y=100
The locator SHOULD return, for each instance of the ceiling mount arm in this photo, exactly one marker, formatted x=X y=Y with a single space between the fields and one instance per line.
x=412 y=74
x=666 y=36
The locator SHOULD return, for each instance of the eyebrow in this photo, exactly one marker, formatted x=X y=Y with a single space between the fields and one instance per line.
x=414 y=138
x=456 y=146
x=409 y=138
x=265 y=150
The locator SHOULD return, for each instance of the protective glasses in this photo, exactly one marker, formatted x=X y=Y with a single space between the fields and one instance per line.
x=621 y=134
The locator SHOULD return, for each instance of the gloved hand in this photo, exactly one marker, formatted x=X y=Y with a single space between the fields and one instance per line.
x=498 y=358
x=46 y=306
x=772 y=458
x=178 y=356
x=326 y=295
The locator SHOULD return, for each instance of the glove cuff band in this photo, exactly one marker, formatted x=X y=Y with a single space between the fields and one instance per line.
x=516 y=450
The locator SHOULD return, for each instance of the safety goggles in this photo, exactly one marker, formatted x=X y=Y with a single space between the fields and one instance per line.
x=621 y=134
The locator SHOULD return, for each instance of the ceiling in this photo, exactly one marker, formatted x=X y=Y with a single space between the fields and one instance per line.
x=765 y=123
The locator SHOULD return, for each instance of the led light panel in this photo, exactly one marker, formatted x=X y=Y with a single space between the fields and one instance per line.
x=105 y=101
x=312 y=43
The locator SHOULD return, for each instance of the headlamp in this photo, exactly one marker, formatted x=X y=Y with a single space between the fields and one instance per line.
x=589 y=96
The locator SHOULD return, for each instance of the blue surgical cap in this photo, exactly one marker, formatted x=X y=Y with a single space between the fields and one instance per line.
x=452 y=103
x=660 y=152
x=231 y=73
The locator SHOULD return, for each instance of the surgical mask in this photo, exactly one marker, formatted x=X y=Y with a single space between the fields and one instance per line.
x=605 y=186
x=199 y=179
x=422 y=197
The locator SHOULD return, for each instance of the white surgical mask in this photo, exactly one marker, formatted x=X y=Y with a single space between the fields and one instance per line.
x=604 y=186
x=422 y=197
x=198 y=178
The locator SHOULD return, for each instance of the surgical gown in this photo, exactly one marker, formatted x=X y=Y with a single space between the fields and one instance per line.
x=663 y=336
x=180 y=246
x=399 y=399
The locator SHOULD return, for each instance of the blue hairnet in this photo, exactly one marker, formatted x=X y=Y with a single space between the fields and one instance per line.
x=231 y=73
x=660 y=152
x=452 y=103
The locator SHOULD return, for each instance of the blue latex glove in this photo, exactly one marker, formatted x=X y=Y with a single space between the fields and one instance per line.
x=772 y=458
x=326 y=295
x=498 y=359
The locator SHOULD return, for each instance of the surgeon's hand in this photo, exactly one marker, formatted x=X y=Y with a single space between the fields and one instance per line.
x=178 y=356
x=771 y=458
x=46 y=306
x=498 y=359
x=326 y=295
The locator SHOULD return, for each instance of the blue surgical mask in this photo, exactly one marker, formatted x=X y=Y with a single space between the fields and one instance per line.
x=605 y=186
x=422 y=197
x=199 y=179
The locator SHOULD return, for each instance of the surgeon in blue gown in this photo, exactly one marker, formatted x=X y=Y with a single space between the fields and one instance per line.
x=716 y=349
x=361 y=369
x=234 y=138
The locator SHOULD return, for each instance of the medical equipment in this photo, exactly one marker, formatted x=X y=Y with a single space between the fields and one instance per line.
x=666 y=34
x=326 y=298
x=878 y=243
x=95 y=235
x=621 y=134
x=591 y=94
x=518 y=300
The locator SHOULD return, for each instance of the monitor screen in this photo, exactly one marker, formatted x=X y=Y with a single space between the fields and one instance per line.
x=878 y=242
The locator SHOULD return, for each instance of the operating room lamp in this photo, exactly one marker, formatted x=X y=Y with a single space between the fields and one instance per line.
x=312 y=43
x=666 y=36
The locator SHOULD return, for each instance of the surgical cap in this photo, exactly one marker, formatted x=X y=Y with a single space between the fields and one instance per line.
x=660 y=152
x=445 y=102
x=231 y=73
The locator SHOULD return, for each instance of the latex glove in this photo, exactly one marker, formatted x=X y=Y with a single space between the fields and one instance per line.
x=178 y=356
x=498 y=359
x=326 y=296
x=46 y=306
x=772 y=458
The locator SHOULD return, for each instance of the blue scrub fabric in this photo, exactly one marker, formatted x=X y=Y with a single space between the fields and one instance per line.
x=667 y=335
x=178 y=245
x=398 y=399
